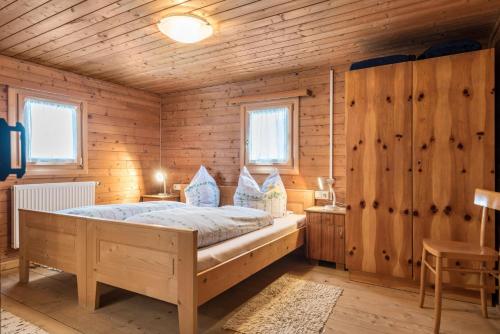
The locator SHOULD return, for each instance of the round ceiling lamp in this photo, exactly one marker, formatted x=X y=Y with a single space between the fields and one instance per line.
x=185 y=28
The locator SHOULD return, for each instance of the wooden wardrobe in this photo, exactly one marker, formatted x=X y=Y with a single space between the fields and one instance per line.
x=420 y=140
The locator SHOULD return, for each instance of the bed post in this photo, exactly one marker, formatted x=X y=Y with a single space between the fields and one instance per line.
x=187 y=292
x=24 y=263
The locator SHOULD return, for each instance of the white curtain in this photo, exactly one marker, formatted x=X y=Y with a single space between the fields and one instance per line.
x=268 y=135
x=51 y=131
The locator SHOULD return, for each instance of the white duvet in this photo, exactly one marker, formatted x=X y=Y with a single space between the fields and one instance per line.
x=213 y=224
x=121 y=211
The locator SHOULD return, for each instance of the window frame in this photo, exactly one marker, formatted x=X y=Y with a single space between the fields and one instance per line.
x=291 y=167
x=17 y=98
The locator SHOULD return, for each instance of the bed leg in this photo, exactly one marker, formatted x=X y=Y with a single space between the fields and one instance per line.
x=188 y=319
x=187 y=289
x=82 y=290
x=93 y=295
x=24 y=270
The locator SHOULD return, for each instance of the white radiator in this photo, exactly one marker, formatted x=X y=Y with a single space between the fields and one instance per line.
x=49 y=197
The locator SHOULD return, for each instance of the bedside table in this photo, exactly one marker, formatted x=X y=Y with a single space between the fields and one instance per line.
x=325 y=235
x=163 y=197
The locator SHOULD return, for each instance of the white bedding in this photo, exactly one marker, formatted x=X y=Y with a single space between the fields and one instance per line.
x=213 y=224
x=121 y=211
x=213 y=255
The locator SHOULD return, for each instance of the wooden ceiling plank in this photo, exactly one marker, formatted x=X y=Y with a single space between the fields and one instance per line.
x=233 y=54
x=125 y=23
x=266 y=34
x=146 y=30
x=32 y=47
x=250 y=73
x=116 y=17
x=153 y=41
x=18 y=8
x=5 y=3
x=163 y=48
x=371 y=24
x=55 y=21
x=36 y=15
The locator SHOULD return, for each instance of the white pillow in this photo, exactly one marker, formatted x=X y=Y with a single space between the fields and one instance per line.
x=203 y=190
x=271 y=197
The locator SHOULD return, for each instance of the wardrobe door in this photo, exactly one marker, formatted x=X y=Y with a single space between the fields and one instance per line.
x=379 y=177
x=453 y=138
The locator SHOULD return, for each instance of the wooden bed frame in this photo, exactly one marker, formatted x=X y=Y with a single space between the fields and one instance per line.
x=156 y=261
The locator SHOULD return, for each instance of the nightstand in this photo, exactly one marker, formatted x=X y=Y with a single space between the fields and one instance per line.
x=161 y=197
x=325 y=235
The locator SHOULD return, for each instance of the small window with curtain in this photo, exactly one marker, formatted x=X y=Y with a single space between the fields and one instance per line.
x=270 y=136
x=55 y=132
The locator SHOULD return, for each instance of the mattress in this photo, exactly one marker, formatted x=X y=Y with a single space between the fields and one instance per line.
x=213 y=255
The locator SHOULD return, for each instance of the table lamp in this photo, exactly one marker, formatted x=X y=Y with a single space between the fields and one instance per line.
x=322 y=181
x=161 y=176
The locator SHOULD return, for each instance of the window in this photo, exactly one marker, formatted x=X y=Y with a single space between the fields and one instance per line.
x=270 y=136
x=55 y=132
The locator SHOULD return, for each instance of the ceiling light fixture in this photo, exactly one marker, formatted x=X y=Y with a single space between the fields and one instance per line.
x=185 y=28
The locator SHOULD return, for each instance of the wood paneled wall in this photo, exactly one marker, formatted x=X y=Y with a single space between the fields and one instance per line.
x=201 y=127
x=123 y=132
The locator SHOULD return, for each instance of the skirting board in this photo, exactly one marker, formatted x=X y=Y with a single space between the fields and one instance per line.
x=9 y=264
x=413 y=286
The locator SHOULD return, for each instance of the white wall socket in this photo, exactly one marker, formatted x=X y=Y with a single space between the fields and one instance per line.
x=321 y=194
x=177 y=186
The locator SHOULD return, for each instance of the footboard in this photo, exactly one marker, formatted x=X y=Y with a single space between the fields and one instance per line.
x=155 y=261
x=54 y=240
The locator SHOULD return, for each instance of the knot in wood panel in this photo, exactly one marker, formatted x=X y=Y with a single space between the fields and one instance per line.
x=465 y=92
x=447 y=210
x=352 y=103
x=415 y=213
x=467 y=217
x=375 y=204
x=420 y=97
x=388 y=99
x=460 y=146
x=362 y=204
x=434 y=209
x=391 y=210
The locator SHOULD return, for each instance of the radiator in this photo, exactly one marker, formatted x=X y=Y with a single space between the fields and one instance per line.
x=49 y=197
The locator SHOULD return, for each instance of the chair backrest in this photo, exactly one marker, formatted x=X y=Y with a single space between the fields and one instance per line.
x=488 y=200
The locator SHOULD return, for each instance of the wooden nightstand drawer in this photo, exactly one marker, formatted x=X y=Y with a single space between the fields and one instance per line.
x=156 y=197
x=325 y=235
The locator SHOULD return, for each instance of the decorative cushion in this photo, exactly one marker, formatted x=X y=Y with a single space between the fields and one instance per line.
x=270 y=197
x=203 y=190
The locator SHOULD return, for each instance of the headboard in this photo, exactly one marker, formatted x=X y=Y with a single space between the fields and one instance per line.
x=297 y=199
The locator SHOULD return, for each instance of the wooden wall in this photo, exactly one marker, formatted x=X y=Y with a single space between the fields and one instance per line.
x=123 y=132
x=201 y=127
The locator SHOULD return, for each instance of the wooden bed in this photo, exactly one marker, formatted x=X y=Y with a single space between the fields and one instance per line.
x=156 y=261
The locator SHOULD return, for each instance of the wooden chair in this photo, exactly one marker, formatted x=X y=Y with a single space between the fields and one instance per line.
x=464 y=251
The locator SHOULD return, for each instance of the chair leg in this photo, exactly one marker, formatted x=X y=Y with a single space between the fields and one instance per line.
x=423 y=269
x=482 y=281
x=437 y=294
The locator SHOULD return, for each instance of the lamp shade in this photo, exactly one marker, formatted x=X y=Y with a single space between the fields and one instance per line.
x=185 y=28
x=160 y=176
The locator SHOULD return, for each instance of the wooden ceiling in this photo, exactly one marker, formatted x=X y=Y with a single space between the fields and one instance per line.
x=119 y=41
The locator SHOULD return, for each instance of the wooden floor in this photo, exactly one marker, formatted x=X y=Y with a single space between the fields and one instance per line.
x=49 y=301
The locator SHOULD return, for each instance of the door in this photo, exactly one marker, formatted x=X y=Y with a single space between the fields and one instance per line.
x=379 y=176
x=453 y=136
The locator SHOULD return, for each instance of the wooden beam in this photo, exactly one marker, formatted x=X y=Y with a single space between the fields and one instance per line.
x=271 y=96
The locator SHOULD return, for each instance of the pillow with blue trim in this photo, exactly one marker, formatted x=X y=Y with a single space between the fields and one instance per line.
x=203 y=190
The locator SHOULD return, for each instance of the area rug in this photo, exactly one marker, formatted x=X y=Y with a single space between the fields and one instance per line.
x=289 y=305
x=11 y=324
